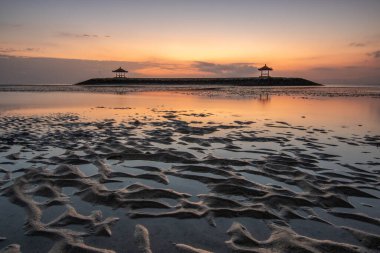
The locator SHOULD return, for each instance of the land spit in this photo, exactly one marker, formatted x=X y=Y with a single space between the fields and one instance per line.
x=244 y=81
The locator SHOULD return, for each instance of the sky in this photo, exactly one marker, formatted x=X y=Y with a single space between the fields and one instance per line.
x=55 y=41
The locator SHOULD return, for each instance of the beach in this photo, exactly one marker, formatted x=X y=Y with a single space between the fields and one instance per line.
x=189 y=169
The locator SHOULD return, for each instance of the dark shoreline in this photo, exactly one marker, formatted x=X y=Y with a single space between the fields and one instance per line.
x=246 y=81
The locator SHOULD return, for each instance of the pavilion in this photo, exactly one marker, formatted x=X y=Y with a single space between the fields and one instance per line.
x=120 y=73
x=265 y=71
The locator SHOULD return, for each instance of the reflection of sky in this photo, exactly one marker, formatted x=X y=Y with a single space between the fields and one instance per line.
x=264 y=99
x=341 y=114
x=374 y=109
x=321 y=37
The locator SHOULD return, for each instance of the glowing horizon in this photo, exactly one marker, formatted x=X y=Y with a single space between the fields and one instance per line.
x=294 y=37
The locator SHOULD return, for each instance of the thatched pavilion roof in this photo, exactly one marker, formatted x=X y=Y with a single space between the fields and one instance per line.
x=265 y=68
x=120 y=70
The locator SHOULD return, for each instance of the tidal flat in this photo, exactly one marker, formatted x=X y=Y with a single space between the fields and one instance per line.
x=189 y=169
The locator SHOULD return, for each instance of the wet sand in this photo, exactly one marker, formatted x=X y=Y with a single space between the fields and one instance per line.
x=159 y=174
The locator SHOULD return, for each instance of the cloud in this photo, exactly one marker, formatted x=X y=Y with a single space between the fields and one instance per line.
x=82 y=35
x=169 y=66
x=349 y=74
x=38 y=70
x=10 y=50
x=352 y=67
x=375 y=54
x=10 y=25
x=357 y=44
x=324 y=69
x=230 y=70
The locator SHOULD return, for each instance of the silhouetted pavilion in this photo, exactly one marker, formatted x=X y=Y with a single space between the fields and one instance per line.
x=265 y=71
x=120 y=72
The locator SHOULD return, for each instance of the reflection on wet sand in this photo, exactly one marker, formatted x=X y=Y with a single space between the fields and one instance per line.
x=264 y=98
x=159 y=171
x=333 y=112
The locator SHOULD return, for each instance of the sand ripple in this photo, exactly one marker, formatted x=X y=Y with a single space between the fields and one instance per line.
x=150 y=171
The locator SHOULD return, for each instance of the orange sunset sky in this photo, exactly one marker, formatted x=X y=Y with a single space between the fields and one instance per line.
x=336 y=41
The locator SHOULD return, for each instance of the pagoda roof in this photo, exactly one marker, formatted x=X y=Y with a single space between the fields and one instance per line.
x=265 y=68
x=120 y=70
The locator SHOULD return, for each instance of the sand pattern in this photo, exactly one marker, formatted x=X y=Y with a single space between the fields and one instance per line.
x=266 y=186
